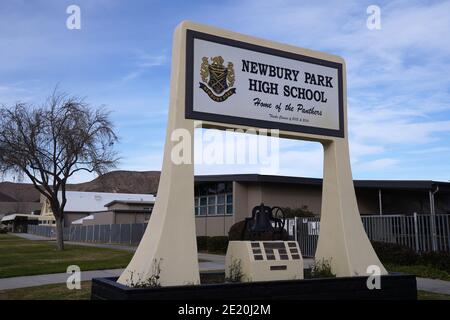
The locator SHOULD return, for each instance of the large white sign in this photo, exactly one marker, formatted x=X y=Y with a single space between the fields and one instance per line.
x=234 y=82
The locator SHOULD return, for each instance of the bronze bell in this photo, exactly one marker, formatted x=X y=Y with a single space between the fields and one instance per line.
x=261 y=220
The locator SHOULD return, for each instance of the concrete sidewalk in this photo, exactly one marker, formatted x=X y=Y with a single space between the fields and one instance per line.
x=211 y=262
x=39 y=280
x=433 y=285
x=33 y=237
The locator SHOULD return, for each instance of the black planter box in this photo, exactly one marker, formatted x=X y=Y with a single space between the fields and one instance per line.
x=393 y=287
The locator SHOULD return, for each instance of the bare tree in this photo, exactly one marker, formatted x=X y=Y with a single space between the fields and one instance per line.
x=50 y=143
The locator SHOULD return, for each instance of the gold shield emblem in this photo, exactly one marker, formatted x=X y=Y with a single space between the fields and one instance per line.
x=218 y=80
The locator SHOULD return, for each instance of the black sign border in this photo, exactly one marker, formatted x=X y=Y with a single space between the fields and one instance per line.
x=255 y=123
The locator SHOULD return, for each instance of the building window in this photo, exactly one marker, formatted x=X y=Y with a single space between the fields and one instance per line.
x=221 y=209
x=201 y=206
x=221 y=204
x=212 y=205
x=214 y=199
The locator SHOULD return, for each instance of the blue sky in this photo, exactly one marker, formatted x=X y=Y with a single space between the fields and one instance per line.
x=398 y=78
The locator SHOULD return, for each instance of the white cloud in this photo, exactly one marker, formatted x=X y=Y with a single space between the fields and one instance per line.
x=359 y=150
x=376 y=165
x=430 y=151
x=143 y=61
x=398 y=77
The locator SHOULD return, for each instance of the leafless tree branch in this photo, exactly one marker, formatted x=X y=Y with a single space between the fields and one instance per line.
x=50 y=143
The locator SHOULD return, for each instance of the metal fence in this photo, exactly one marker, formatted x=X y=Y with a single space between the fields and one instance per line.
x=44 y=231
x=418 y=232
x=108 y=233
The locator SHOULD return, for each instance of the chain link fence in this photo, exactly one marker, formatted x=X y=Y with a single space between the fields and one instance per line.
x=129 y=234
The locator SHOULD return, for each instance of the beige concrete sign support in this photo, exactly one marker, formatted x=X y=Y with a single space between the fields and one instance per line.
x=170 y=238
x=342 y=239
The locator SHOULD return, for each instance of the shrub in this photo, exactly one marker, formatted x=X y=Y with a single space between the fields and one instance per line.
x=202 y=243
x=394 y=253
x=217 y=244
x=439 y=260
x=150 y=282
x=322 y=269
x=3 y=228
x=235 y=271
x=302 y=212
x=401 y=255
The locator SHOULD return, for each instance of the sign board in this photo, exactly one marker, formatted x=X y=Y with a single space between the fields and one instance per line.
x=230 y=81
x=224 y=77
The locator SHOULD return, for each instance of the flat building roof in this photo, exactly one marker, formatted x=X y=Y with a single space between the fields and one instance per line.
x=372 y=184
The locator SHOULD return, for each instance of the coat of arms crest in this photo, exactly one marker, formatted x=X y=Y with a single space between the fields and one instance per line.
x=218 y=80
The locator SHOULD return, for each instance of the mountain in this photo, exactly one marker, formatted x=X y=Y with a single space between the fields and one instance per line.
x=121 y=182
x=115 y=181
x=6 y=198
x=19 y=192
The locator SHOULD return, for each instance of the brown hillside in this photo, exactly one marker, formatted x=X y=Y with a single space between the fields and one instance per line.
x=6 y=198
x=122 y=182
x=115 y=181
x=21 y=192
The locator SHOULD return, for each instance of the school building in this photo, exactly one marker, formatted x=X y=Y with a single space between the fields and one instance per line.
x=222 y=200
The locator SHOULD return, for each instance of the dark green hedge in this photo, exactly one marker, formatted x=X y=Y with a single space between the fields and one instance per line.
x=440 y=260
x=394 y=253
x=218 y=244
x=202 y=243
x=397 y=254
x=212 y=244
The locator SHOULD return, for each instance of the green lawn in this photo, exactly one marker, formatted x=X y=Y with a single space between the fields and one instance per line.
x=425 y=295
x=420 y=271
x=48 y=292
x=21 y=257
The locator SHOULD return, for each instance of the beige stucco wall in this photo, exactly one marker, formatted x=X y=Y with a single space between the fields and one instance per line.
x=125 y=218
x=106 y=217
x=213 y=225
x=240 y=201
x=200 y=226
x=254 y=197
x=292 y=196
x=113 y=217
x=70 y=217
